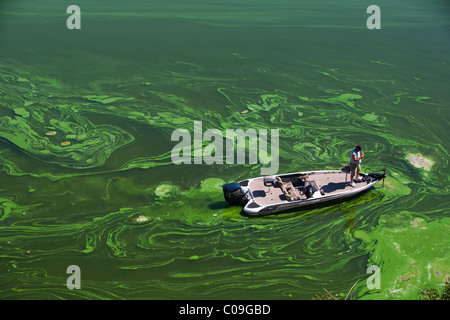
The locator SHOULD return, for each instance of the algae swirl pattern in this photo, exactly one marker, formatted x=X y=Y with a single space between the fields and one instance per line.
x=87 y=176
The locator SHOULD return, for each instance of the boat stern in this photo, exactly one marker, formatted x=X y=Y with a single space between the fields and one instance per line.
x=235 y=194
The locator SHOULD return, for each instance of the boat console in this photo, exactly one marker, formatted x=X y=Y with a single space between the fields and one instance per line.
x=297 y=187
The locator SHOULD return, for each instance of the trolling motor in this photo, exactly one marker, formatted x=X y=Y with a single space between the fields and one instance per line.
x=378 y=176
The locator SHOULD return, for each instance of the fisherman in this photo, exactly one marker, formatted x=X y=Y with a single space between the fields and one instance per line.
x=355 y=164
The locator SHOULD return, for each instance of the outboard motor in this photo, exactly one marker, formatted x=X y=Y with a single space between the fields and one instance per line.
x=234 y=194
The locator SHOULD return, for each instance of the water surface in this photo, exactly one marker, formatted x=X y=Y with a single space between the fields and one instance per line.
x=140 y=227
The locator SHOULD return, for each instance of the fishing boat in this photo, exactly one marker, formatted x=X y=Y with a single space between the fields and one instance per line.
x=278 y=193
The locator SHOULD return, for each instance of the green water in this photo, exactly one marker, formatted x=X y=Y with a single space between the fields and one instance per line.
x=140 y=227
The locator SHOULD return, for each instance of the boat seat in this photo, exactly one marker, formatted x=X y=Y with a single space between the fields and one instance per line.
x=346 y=170
x=269 y=181
x=290 y=192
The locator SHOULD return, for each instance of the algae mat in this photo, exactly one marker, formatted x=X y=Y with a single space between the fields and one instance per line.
x=86 y=118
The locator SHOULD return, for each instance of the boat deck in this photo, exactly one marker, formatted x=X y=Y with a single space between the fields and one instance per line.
x=329 y=182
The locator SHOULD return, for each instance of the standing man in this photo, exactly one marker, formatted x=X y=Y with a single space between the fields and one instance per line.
x=355 y=164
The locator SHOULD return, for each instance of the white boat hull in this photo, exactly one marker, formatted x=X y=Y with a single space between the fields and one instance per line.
x=268 y=195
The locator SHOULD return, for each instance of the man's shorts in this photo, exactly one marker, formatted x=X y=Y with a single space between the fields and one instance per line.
x=353 y=167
